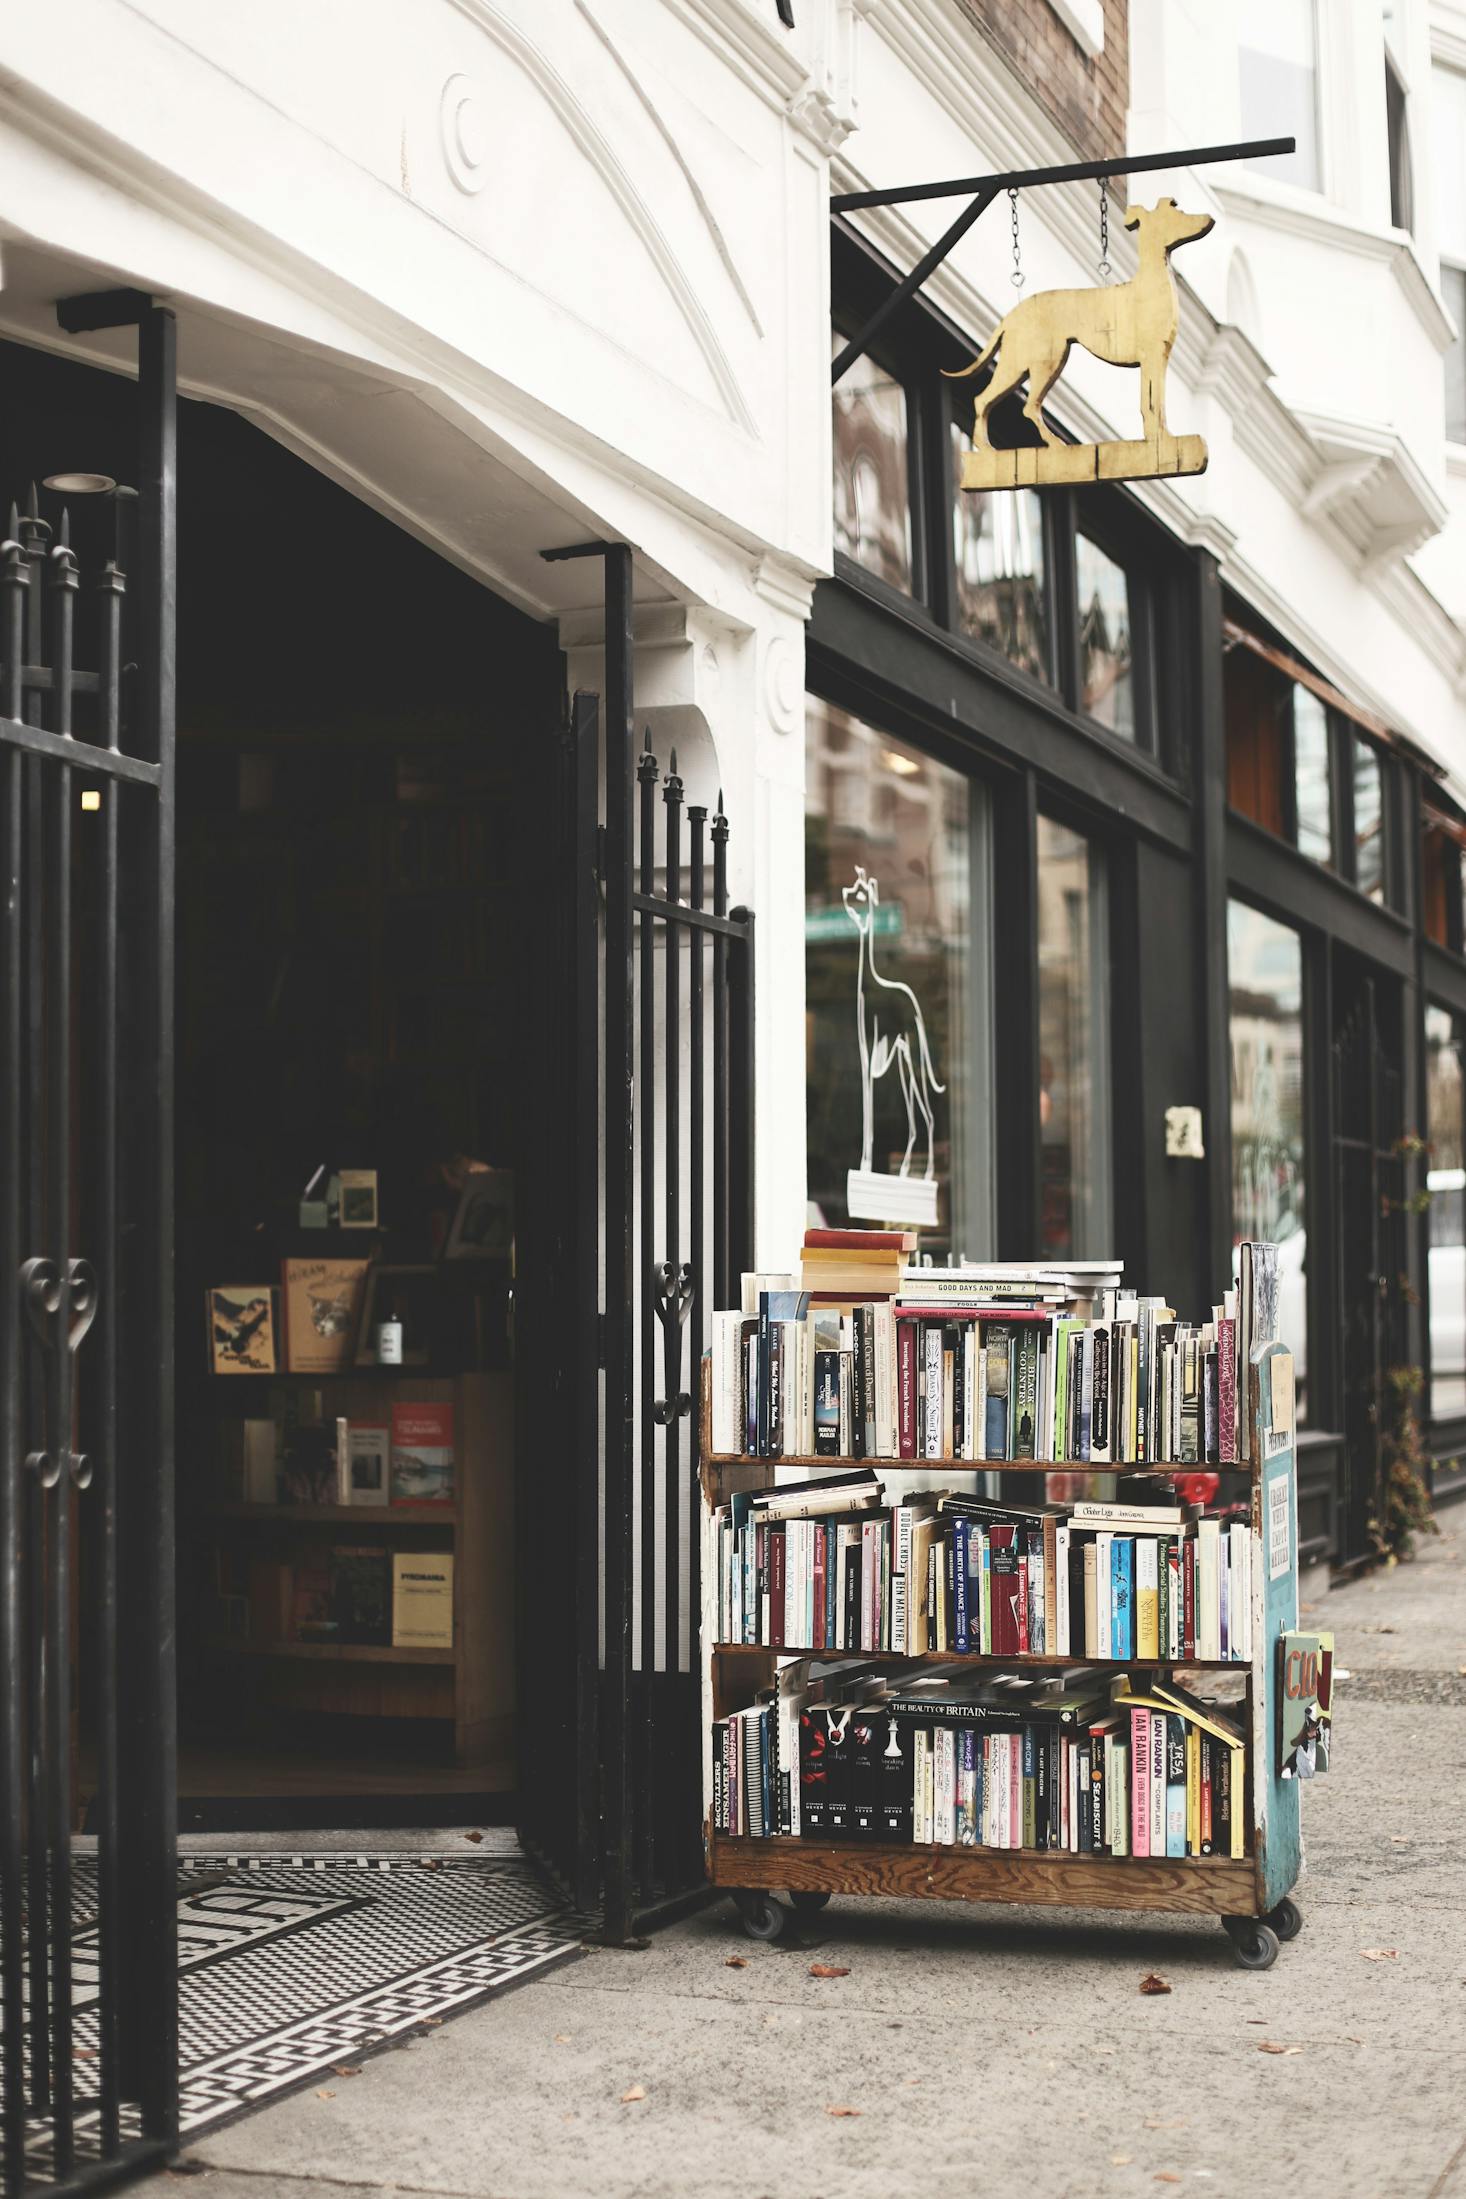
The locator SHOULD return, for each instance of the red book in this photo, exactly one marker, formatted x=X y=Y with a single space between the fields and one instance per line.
x=906 y=1341
x=1226 y=1391
x=776 y=1587
x=422 y=1454
x=1001 y=1540
x=862 y=1240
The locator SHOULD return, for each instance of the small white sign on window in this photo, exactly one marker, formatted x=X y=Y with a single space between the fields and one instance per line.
x=1279 y=1526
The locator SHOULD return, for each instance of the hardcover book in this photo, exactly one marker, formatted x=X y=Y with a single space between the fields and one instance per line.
x=322 y=1313
x=242 y=1329
x=422 y=1454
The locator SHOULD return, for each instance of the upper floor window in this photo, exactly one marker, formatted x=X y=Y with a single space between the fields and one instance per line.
x=1443 y=878
x=872 y=481
x=1448 y=137
x=1368 y=792
x=1277 y=83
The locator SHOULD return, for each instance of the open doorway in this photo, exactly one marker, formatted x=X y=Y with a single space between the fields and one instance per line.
x=363 y=737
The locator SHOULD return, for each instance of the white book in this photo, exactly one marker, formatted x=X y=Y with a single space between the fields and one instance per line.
x=920 y=1827
x=1003 y=1796
x=1073 y=1788
x=1208 y=1590
x=970 y=1356
x=932 y=1427
x=1102 y=1582
x=944 y=1784
x=1062 y=1647
x=728 y=1431
x=1117 y=1794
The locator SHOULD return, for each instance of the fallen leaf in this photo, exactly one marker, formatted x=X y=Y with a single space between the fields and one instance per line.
x=1121 y=2160
x=1165 y=2176
x=913 y=2080
x=433 y=2020
x=1352 y=2040
x=827 y=1970
x=344 y=2069
x=1257 y=2019
x=1271 y=2046
x=562 y=2038
x=1153 y=1983
x=475 y=1837
x=1380 y=1954
x=325 y=2095
x=636 y=2092
x=734 y=1962
x=842 y=2110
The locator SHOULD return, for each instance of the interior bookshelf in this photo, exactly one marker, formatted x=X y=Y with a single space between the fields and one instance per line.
x=1250 y=1894
x=468 y=1687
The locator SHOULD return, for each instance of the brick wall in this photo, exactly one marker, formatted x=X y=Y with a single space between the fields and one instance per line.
x=1086 y=98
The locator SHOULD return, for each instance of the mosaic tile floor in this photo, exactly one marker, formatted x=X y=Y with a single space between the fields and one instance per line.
x=290 y=1962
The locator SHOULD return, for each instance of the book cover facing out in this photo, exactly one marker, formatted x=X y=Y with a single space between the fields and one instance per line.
x=322 y=1313
x=368 y=1463
x=422 y=1453
x=363 y=1591
x=1305 y=1704
x=422 y=1599
x=242 y=1329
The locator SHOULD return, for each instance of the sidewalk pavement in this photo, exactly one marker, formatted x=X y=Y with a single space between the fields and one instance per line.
x=983 y=2050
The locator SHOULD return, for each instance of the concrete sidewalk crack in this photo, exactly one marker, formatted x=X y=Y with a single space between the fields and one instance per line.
x=276 y=2177
x=1437 y=2189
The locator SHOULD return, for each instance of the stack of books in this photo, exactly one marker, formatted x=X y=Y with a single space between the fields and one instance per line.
x=988 y=1366
x=830 y=1564
x=1077 y=1765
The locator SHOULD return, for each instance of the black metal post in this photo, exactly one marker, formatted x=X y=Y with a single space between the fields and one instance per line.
x=147 y=1797
x=689 y=1837
x=586 y=1287
x=646 y=787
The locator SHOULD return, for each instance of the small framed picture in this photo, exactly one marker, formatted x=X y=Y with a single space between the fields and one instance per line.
x=483 y=1227
x=358 y=1198
x=410 y=1295
x=242 y=1329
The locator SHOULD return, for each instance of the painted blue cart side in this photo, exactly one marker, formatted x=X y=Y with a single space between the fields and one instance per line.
x=1276 y=1814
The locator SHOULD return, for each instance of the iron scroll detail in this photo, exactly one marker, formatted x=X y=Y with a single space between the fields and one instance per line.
x=61 y=1304
x=673 y=1290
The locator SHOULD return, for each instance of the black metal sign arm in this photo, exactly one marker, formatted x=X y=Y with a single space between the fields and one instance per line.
x=984 y=189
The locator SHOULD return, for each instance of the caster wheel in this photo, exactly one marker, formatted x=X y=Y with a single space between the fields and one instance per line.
x=1255 y=1945
x=762 y=1917
x=1287 y=1919
x=807 y=1901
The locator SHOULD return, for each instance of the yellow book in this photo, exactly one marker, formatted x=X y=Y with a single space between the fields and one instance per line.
x=1147 y=1597
x=1193 y=1791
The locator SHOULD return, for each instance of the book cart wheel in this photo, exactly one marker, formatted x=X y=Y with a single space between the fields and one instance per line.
x=808 y=1899
x=761 y=1916
x=1254 y=1942
x=1287 y=1919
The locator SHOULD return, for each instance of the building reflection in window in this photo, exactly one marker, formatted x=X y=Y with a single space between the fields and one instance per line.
x=1311 y=776
x=1265 y=968
x=1369 y=835
x=921 y=830
x=872 y=483
x=1074 y=1052
x=1446 y=1183
x=1106 y=667
x=1000 y=582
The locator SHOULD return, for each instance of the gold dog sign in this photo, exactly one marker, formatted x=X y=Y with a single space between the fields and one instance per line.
x=1128 y=324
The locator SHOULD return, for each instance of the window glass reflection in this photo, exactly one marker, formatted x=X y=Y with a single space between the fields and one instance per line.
x=1265 y=967
x=872 y=484
x=1369 y=838
x=998 y=565
x=916 y=831
x=1311 y=776
x=1106 y=673
x=1074 y=1054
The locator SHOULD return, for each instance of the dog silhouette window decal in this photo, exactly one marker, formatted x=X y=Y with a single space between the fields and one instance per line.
x=891 y=1031
x=1124 y=324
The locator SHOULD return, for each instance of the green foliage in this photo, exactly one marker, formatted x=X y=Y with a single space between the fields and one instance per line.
x=1405 y=1465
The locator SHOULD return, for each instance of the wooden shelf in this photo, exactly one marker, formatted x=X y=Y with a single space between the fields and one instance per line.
x=974 y=1657
x=719 y=1462
x=345 y=1515
x=1214 y=1885
x=335 y=1652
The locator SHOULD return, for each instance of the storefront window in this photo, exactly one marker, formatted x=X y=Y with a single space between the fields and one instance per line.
x=1277 y=84
x=897 y=934
x=1000 y=579
x=1311 y=776
x=1369 y=837
x=1265 y=966
x=1074 y=1050
x=1448 y=144
x=1106 y=671
x=1446 y=1183
x=872 y=479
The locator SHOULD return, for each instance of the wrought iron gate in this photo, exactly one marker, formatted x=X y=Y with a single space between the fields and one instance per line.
x=88 y=2076
x=616 y=1799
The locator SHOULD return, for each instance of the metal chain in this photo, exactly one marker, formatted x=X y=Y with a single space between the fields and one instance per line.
x=1105 y=269
x=1017 y=278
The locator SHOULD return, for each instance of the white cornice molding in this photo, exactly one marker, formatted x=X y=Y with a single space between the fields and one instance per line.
x=755 y=45
x=786 y=584
x=1318 y=222
x=1448 y=46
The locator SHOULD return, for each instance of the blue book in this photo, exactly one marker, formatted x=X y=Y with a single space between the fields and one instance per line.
x=963 y=1640
x=996 y=1445
x=1122 y=1596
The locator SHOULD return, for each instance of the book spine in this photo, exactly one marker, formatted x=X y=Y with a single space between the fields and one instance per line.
x=931 y=1446
x=1140 y=1782
x=1158 y=1784
x=1099 y=1411
x=906 y=1389
x=1227 y=1390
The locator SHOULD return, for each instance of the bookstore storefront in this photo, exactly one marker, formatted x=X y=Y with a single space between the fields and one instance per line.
x=1132 y=856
